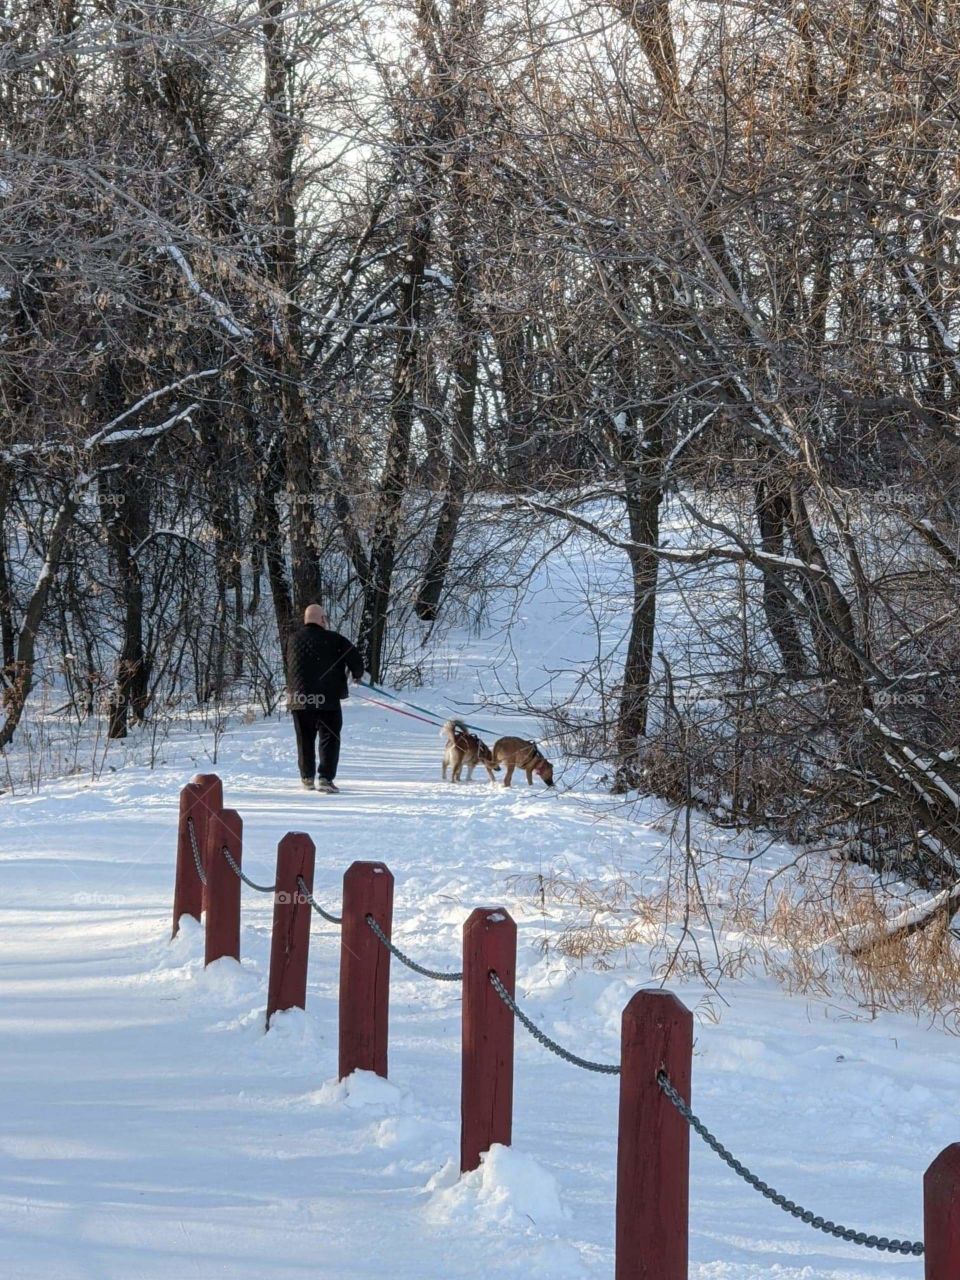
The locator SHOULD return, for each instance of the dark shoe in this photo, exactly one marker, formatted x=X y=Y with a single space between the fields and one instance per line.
x=327 y=787
x=307 y=784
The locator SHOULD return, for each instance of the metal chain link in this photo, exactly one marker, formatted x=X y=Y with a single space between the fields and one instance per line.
x=604 y=1068
x=235 y=868
x=196 y=852
x=788 y=1206
x=316 y=905
x=439 y=975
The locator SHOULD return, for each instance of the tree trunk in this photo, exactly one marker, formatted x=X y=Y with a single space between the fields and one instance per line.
x=16 y=695
x=641 y=459
x=383 y=548
x=513 y=359
x=267 y=526
x=127 y=522
x=234 y=581
x=831 y=618
x=7 y=633
x=462 y=438
x=771 y=505
x=284 y=129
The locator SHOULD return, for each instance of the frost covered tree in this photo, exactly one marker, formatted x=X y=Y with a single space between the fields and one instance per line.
x=294 y=296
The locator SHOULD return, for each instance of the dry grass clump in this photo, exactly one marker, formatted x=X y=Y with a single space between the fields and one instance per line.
x=807 y=944
x=609 y=915
x=802 y=936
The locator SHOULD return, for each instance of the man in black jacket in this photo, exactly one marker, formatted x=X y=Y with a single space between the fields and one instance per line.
x=317 y=664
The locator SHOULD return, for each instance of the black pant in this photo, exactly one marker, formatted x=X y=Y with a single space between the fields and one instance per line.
x=310 y=725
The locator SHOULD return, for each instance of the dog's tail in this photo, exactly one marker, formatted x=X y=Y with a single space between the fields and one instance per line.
x=450 y=730
x=486 y=756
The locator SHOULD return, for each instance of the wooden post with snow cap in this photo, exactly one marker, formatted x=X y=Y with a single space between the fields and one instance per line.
x=486 y=1088
x=941 y=1216
x=223 y=886
x=653 y=1152
x=290 y=943
x=200 y=799
x=365 y=968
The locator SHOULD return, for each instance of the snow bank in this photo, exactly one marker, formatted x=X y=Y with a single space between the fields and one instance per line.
x=151 y=1127
x=509 y=1188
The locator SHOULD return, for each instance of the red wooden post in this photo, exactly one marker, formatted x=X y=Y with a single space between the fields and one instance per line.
x=290 y=945
x=486 y=1083
x=199 y=800
x=223 y=886
x=653 y=1154
x=215 y=807
x=941 y=1216
x=365 y=968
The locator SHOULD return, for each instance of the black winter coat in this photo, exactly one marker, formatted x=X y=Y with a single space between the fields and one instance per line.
x=317 y=664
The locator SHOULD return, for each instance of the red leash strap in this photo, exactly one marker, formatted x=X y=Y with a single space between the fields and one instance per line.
x=387 y=707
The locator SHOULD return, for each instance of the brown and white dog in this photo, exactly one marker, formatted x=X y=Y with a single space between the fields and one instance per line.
x=464 y=748
x=517 y=753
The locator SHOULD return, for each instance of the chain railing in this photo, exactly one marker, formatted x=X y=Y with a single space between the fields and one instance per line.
x=807 y=1216
x=438 y=975
x=237 y=871
x=231 y=863
x=327 y=915
x=198 y=863
x=603 y=1068
x=814 y=1220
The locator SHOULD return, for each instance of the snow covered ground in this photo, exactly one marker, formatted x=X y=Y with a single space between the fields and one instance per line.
x=150 y=1130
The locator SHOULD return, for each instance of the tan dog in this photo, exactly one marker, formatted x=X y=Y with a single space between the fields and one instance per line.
x=517 y=753
x=464 y=748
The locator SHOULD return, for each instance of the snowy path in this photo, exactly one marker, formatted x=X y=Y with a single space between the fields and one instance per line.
x=151 y=1131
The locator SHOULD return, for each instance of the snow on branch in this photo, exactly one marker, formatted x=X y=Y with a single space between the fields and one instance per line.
x=927 y=308
x=368 y=314
x=909 y=921
x=169 y=533
x=148 y=432
x=676 y=555
x=909 y=757
x=111 y=434
x=224 y=315
x=685 y=441
x=100 y=436
x=935 y=539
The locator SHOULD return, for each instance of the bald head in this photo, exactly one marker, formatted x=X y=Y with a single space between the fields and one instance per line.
x=316 y=614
